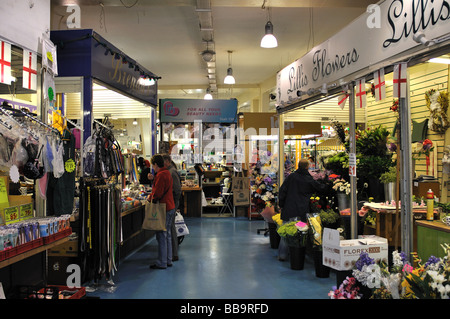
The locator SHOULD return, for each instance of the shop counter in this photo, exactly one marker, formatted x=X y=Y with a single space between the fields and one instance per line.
x=430 y=236
x=192 y=200
x=388 y=222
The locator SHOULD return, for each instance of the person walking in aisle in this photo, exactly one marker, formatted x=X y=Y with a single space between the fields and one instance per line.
x=294 y=198
x=162 y=192
x=176 y=190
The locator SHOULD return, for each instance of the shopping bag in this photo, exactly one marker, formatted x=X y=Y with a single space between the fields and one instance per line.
x=155 y=217
x=180 y=225
x=241 y=190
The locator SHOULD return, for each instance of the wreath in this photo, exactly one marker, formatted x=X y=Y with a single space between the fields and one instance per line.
x=437 y=103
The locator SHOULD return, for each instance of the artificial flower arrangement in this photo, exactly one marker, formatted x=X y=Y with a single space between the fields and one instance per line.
x=430 y=280
x=295 y=233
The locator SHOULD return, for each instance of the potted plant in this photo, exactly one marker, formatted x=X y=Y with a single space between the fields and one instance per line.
x=388 y=179
x=329 y=218
x=295 y=234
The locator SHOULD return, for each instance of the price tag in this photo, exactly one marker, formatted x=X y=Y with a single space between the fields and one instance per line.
x=352 y=164
x=26 y=211
x=11 y=214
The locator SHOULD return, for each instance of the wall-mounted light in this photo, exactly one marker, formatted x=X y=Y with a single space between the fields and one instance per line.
x=229 y=79
x=420 y=38
x=269 y=40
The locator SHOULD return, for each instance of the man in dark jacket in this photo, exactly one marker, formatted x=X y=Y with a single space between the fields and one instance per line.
x=295 y=193
x=294 y=198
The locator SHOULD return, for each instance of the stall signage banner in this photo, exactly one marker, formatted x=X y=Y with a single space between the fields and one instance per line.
x=364 y=46
x=190 y=110
x=113 y=72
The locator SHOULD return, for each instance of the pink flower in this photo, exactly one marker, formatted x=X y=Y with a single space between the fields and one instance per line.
x=407 y=268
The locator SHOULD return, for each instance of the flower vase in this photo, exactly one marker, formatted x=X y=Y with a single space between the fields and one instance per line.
x=321 y=270
x=273 y=236
x=389 y=192
x=297 y=257
x=343 y=201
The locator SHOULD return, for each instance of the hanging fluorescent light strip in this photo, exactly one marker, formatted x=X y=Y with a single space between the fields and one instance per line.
x=439 y=60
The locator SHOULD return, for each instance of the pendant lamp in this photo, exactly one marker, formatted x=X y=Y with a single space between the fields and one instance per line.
x=269 y=40
x=229 y=79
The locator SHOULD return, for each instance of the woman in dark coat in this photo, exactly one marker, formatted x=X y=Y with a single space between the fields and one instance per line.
x=294 y=198
x=295 y=193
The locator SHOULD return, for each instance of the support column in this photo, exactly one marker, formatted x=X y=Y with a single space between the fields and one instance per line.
x=87 y=107
x=280 y=149
x=353 y=198
x=406 y=176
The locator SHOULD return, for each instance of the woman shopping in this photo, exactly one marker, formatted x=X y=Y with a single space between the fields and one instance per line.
x=162 y=192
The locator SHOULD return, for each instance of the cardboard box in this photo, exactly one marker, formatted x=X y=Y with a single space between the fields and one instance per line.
x=343 y=254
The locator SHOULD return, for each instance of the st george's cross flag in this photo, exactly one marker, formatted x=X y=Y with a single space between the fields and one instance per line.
x=29 y=74
x=361 y=92
x=379 y=84
x=5 y=62
x=342 y=99
x=399 y=81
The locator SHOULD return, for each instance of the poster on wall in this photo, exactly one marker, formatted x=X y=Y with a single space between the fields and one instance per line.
x=190 y=110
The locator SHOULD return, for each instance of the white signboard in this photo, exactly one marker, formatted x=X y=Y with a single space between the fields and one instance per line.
x=23 y=22
x=388 y=29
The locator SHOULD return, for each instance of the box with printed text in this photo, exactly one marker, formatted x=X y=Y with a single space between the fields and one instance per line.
x=343 y=254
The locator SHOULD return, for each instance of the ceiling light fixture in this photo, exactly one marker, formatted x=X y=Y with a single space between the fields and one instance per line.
x=440 y=60
x=269 y=40
x=229 y=79
x=208 y=54
x=135 y=122
x=208 y=95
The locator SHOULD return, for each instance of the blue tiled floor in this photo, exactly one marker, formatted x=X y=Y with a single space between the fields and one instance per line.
x=221 y=258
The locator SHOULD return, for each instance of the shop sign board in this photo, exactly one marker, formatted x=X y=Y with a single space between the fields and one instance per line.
x=191 y=110
x=343 y=254
x=364 y=44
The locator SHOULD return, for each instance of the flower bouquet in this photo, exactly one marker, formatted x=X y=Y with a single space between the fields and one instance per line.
x=295 y=233
x=342 y=186
x=430 y=280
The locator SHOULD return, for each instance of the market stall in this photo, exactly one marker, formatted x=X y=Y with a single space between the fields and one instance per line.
x=200 y=137
x=380 y=71
x=110 y=201
x=34 y=175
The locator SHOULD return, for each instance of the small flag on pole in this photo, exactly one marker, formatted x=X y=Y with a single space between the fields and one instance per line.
x=342 y=99
x=399 y=81
x=5 y=62
x=380 y=85
x=29 y=79
x=361 y=92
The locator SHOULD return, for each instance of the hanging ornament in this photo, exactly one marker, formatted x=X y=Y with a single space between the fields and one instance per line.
x=437 y=103
x=69 y=165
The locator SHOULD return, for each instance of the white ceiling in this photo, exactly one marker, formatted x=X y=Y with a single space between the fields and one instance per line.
x=165 y=37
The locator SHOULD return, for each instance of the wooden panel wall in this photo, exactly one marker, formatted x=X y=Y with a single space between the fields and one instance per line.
x=422 y=78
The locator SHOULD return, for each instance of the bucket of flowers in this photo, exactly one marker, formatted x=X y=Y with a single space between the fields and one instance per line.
x=295 y=233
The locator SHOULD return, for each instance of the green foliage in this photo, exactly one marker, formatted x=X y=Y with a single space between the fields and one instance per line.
x=328 y=217
x=338 y=164
x=389 y=176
